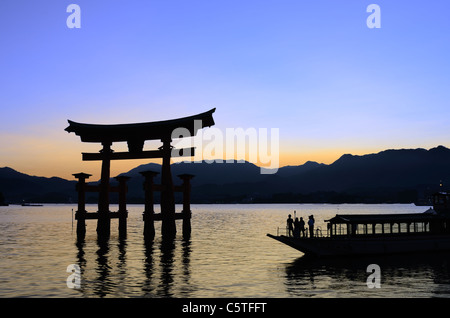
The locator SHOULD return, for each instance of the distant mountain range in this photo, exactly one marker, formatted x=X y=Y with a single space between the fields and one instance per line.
x=403 y=176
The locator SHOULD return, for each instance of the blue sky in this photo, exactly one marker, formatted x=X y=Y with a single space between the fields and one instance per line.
x=313 y=69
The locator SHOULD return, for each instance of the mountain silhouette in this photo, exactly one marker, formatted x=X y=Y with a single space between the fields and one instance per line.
x=405 y=168
x=401 y=175
x=19 y=187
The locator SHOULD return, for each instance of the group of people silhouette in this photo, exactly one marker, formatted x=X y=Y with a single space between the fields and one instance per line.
x=296 y=228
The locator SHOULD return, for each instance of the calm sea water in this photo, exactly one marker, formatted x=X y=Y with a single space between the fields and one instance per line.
x=228 y=255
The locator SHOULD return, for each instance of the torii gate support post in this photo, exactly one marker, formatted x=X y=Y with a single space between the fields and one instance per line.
x=123 y=213
x=80 y=215
x=168 y=227
x=104 y=220
x=148 y=215
x=186 y=204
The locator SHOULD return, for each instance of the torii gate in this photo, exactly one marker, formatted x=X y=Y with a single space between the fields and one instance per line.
x=135 y=135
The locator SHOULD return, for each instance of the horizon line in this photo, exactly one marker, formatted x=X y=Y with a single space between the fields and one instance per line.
x=224 y=161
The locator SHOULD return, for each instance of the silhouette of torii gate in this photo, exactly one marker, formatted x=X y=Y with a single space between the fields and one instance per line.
x=135 y=135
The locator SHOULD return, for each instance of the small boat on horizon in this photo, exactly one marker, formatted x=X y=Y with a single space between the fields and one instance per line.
x=31 y=204
x=376 y=234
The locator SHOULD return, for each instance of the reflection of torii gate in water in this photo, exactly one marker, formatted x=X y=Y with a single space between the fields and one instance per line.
x=135 y=135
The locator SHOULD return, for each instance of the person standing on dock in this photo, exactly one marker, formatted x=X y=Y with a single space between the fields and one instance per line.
x=311 y=226
x=302 y=226
x=290 y=227
x=296 y=228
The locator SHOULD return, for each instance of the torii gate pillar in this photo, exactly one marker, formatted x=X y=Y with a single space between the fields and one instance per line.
x=123 y=212
x=149 y=212
x=104 y=220
x=186 y=213
x=168 y=227
x=80 y=215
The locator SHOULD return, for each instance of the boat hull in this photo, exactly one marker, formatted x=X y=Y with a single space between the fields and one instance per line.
x=361 y=246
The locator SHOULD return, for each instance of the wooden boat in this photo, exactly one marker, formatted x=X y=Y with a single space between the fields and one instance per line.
x=371 y=234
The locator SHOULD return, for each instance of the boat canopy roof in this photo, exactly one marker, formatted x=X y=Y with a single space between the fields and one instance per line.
x=139 y=131
x=385 y=218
